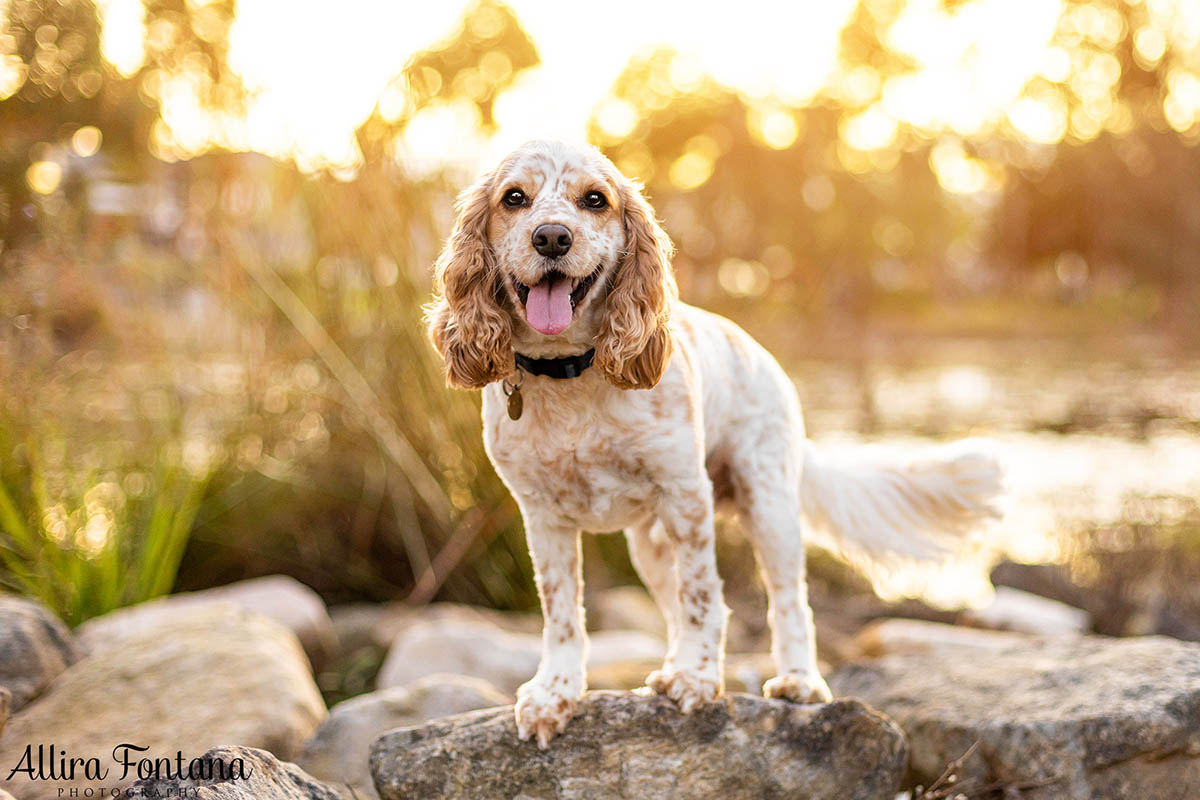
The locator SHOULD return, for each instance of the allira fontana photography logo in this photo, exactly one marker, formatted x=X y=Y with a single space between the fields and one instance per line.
x=128 y=762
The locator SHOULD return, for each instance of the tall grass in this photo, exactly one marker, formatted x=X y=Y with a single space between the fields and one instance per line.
x=86 y=555
x=253 y=395
x=398 y=500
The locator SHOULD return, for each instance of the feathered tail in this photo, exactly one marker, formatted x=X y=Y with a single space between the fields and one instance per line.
x=916 y=511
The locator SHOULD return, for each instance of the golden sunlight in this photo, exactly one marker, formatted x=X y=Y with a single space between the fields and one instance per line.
x=972 y=62
x=971 y=65
x=313 y=48
x=123 y=34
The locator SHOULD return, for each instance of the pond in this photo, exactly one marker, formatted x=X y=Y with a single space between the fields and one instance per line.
x=1085 y=443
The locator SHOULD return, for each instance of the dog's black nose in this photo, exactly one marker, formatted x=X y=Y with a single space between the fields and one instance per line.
x=552 y=240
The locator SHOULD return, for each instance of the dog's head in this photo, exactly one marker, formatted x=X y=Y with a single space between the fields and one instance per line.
x=553 y=250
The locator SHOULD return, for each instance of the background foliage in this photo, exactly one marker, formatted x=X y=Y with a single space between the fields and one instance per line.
x=213 y=364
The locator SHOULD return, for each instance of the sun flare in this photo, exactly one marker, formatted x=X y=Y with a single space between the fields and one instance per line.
x=316 y=72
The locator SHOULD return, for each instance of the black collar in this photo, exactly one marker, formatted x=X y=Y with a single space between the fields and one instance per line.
x=568 y=367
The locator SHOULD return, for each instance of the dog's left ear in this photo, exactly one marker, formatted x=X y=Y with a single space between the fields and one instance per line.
x=634 y=343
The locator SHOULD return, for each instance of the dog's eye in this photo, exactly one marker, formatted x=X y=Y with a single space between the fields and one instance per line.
x=595 y=200
x=514 y=198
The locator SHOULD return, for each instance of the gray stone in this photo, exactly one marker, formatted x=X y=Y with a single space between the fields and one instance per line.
x=1080 y=718
x=338 y=751
x=279 y=597
x=207 y=677
x=263 y=778
x=396 y=618
x=630 y=746
x=35 y=646
x=1024 y=612
x=897 y=636
x=503 y=658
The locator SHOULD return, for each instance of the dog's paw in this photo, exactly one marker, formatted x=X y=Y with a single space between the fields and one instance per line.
x=544 y=708
x=688 y=688
x=799 y=687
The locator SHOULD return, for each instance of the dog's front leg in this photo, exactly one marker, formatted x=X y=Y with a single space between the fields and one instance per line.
x=693 y=673
x=547 y=702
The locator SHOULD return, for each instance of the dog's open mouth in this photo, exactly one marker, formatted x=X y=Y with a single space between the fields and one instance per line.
x=550 y=304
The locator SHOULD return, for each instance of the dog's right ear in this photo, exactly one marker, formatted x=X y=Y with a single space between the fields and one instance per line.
x=466 y=323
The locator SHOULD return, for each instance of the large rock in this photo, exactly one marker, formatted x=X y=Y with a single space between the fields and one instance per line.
x=207 y=677
x=896 y=636
x=1082 y=718
x=279 y=597
x=396 y=618
x=629 y=746
x=35 y=646
x=239 y=773
x=1025 y=612
x=503 y=658
x=338 y=751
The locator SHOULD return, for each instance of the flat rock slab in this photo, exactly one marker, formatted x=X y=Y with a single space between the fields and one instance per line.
x=625 y=745
x=1080 y=718
x=897 y=636
x=35 y=646
x=208 y=677
x=278 y=597
x=240 y=773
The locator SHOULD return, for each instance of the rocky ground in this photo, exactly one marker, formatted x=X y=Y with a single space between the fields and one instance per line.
x=226 y=677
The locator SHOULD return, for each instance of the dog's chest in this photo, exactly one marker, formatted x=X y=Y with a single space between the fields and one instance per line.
x=590 y=471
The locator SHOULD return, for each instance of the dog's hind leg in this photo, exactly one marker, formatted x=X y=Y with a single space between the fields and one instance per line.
x=770 y=511
x=693 y=673
x=653 y=556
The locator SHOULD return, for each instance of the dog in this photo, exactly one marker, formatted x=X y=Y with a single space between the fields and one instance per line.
x=609 y=404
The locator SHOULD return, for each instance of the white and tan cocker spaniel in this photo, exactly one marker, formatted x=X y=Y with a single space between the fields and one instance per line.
x=608 y=404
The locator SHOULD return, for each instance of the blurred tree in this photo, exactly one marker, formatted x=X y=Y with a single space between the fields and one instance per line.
x=474 y=65
x=56 y=81
x=189 y=41
x=1107 y=177
x=51 y=81
x=765 y=200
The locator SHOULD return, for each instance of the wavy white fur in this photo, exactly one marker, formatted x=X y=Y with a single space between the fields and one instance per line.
x=913 y=511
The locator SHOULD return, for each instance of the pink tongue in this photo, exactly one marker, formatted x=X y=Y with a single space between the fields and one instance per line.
x=548 y=307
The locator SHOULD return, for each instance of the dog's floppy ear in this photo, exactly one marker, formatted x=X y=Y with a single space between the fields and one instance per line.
x=634 y=343
x=466 y=323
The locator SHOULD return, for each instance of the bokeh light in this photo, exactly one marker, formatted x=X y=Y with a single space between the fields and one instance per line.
x=44 y=176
